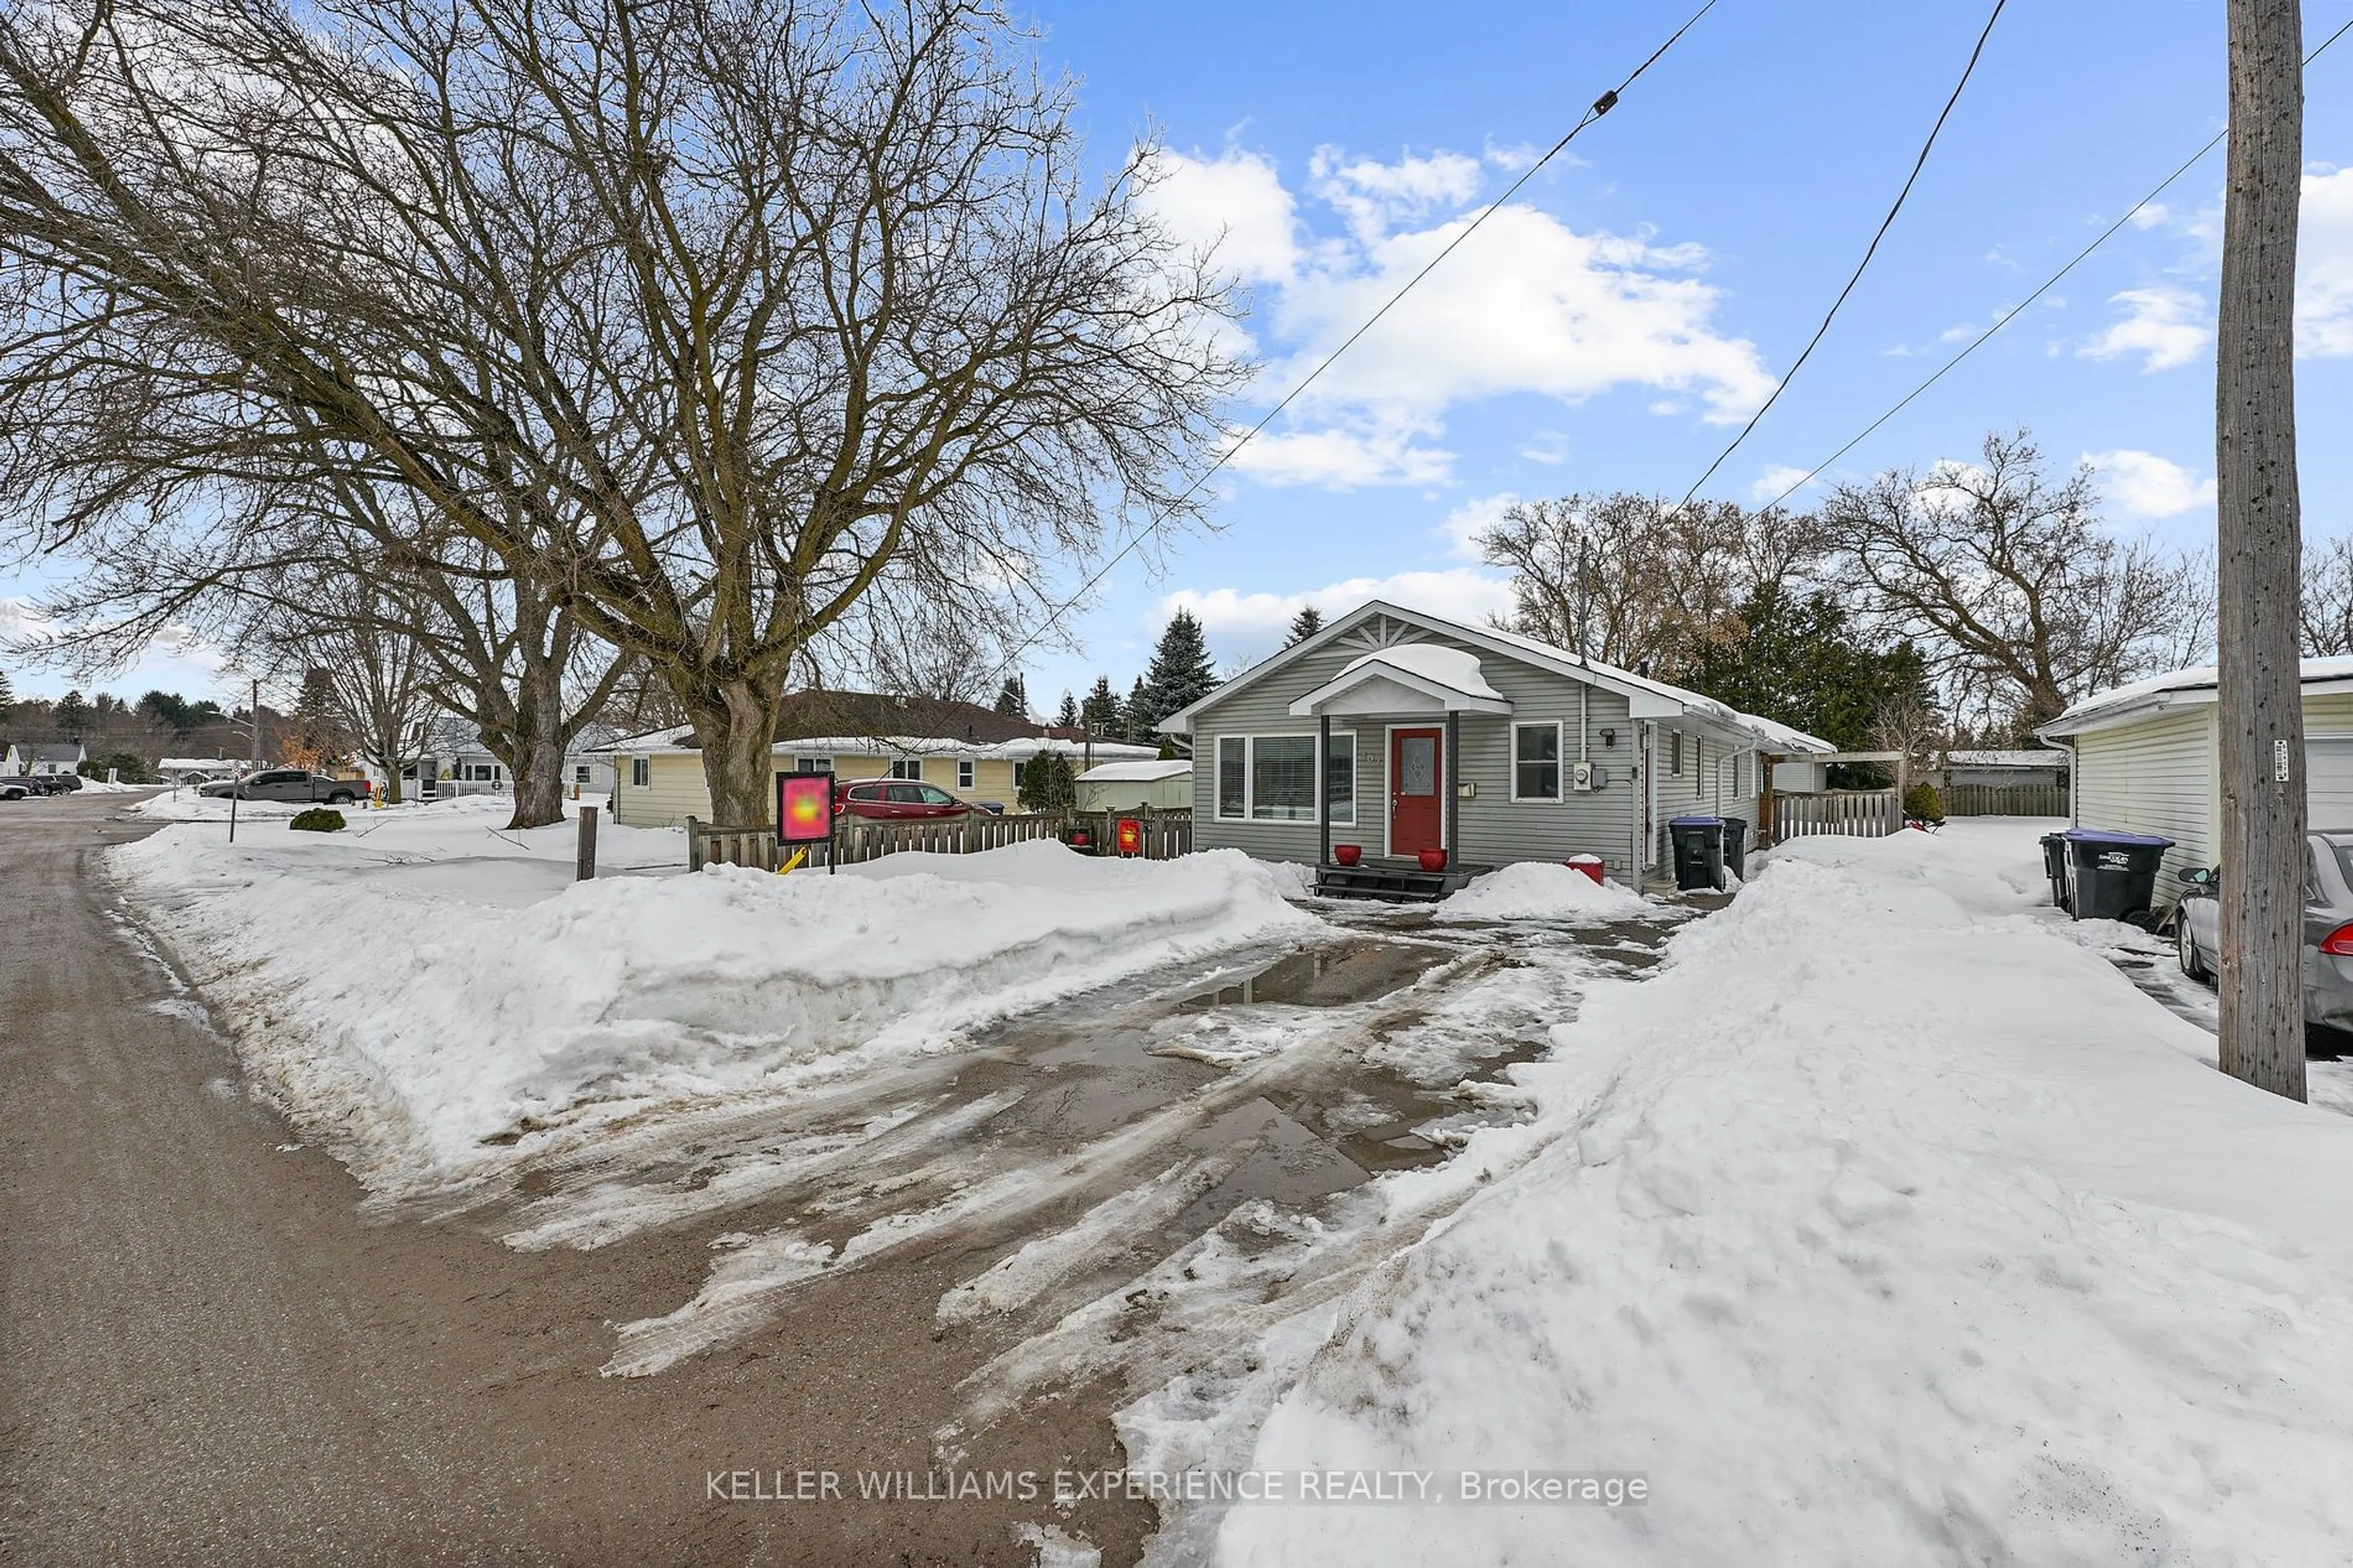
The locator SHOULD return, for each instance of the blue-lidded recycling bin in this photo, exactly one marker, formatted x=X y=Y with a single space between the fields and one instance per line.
x=2112 y=876
x=1699 y=852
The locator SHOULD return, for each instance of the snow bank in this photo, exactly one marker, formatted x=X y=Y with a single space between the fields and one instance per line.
x=1539 y=890
x=1871 y=1230
x=411 y=1008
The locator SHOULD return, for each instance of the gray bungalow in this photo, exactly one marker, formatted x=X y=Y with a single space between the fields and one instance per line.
x=1438 y=735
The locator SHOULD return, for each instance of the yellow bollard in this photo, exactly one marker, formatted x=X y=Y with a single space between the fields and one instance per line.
x=799 y=855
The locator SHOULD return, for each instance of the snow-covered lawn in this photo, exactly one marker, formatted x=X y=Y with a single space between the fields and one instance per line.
x=1883 y=1223
x=1539 y=890
x=426 y=990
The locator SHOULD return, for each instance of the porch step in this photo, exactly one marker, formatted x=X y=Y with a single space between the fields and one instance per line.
x=1393 y=882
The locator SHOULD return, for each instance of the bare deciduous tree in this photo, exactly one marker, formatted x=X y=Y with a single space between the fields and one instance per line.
x=1647 y=582
x=2021 y=600
x=701 y=316
x=2325 y=621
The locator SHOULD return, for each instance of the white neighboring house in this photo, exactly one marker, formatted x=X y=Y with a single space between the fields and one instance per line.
x=1124 y=786
x=43 y=759
x=2145 y=760
x=456 y=763
x=200 y=769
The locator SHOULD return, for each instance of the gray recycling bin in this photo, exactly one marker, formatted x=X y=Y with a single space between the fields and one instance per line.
x=2112 y=876
x=1699 y=852
x=2054 y=867
x=1735 y=845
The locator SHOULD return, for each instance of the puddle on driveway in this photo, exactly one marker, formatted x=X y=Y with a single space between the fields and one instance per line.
x=1328 y=976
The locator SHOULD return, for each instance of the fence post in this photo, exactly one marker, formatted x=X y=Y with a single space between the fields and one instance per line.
x=693 y=844
x=584 y=862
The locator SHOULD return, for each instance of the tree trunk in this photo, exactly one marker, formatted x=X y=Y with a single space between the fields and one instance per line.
x=528 y=736
x=737 y=732
x=2260 y=712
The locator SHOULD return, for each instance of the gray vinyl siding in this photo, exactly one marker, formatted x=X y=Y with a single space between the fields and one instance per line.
x=1494 y=829
x=1717 y=780
x=2153 y=775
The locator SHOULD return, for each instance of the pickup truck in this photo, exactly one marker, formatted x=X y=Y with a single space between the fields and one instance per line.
x=286 y=783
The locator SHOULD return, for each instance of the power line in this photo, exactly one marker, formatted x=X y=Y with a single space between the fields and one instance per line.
x=1599 y=107
x=2043 y=287
x=1869 y=251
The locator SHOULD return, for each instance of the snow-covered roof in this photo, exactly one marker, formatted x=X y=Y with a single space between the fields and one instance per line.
x=1449 y=667
x=1136 y=773
x=2180 y=688
x=678 y=739
x=1675 y=699
x=2044 y=757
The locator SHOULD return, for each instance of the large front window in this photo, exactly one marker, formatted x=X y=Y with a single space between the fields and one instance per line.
x=1283 y=778
x=1535 y=762
x=1340 y=779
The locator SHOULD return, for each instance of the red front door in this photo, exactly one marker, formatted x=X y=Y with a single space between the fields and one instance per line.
x=1416 y=819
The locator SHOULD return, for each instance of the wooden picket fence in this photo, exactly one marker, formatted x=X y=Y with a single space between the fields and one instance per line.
x=1166 y=834
x=1847 y=812
x=2005 y=800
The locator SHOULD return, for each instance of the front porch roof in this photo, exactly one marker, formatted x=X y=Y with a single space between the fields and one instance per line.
x=1407 y=677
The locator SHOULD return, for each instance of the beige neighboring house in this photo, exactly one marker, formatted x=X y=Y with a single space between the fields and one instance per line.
x=1128 y=785
x=974 y=752
x=2145 y=760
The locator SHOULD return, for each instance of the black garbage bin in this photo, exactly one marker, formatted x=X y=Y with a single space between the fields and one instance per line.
x=1699 y=852
x=1735 y=845
x=2055 y=866
x=2112 y=876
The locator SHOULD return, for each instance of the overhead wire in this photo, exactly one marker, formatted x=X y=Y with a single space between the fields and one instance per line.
x=2042 y=289
x=1594 y=112
x=1870 y=250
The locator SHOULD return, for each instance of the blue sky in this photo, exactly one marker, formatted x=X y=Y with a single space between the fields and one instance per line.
x=1610 y=328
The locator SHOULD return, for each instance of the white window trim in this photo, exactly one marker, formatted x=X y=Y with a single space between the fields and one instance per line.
x=642 y=772
x=1559 y=728
x=966 y=771
x=1323 y=778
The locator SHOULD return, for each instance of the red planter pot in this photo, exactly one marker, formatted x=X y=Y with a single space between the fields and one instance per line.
x=1347 y=854
x=1433 y=860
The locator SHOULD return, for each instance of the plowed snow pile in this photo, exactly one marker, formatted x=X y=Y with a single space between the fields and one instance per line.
x=1878 y=1227
x=411 y=1006
x=1536 y=890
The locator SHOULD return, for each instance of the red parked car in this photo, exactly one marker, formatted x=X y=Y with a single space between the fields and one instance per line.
x=895 y=800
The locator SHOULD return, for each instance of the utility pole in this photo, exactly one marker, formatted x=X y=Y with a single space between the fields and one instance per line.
x=2261 y=707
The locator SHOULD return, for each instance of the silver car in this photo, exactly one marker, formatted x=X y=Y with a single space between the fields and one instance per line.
x=2327 y=929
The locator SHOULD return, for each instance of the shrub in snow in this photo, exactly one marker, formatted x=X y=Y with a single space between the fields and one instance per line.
x=1923 y=803
x=318 y=819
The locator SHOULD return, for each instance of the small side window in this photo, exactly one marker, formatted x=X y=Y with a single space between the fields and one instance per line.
x=640 y=772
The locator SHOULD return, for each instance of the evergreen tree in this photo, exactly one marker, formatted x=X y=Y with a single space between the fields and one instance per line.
x=1100 y=712
x=1136 y=717
x=1048 y=783
x=1068 y=719
x=1013 y=701
x=1304 y=624
x=71 y=715
x=1181 y=673
x=1802 y=664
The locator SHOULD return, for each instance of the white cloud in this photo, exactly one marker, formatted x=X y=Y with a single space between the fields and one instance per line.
x=2165 y=325
x=176 y=659
x=1233 y=205
x=1464 y=525
x=1253 y=624
x=1546 y=446
x=1773 y=481
x=1527 y=305
x=1342 y=458
x=2324 y=289
x=2146 y=485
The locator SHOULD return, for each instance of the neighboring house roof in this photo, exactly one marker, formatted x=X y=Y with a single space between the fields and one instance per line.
x=1136 y=773
x=2044 y=758
x=865 y=724
x=1649 y=698
x=56 y=751
x=2179 y=689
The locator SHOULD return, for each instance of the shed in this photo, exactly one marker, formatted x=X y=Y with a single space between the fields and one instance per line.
x=1164 y=785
